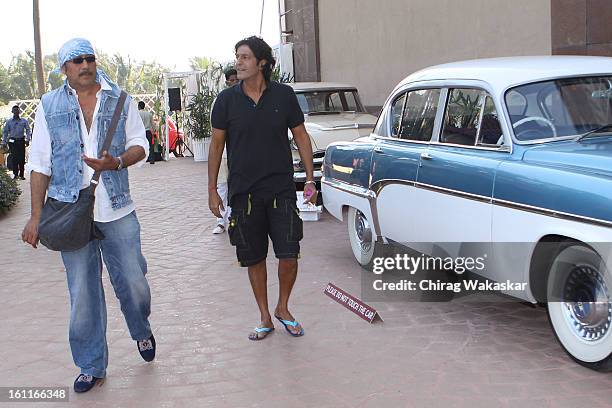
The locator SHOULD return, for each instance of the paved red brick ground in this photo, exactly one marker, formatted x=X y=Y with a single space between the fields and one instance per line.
x=497 y=354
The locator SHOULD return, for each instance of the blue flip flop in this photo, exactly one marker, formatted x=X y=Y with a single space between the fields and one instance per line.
x=292 y=324
x=258 y=330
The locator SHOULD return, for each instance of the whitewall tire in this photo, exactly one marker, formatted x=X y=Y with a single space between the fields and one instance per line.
x=361 y=237
x=580 y=307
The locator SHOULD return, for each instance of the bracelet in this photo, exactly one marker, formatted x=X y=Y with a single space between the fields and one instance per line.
x=120 y=165
x=310 y=182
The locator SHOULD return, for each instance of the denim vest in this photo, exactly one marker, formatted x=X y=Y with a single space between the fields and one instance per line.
x=62 y=115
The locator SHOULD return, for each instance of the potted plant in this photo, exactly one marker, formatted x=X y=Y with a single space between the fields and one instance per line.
x=9 y=191
x=199 y=108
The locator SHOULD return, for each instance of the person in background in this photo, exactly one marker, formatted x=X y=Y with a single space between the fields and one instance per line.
x=157 y=137
x=16 y=133
x=147 y=120
x=231 y=79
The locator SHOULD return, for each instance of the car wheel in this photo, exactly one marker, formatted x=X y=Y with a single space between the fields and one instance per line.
x=579 y=305
x=361 y=237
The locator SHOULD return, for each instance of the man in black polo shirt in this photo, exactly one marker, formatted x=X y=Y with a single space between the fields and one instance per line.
x=252 y=118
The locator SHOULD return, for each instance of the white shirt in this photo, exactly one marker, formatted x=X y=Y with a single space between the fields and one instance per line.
x=40 y=152
x=223 y=170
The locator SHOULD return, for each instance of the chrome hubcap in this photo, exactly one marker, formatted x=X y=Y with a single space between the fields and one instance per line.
x=590 y=311
x=363 y=232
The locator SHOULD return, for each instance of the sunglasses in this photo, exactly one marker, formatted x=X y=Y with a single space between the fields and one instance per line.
x=79 y=60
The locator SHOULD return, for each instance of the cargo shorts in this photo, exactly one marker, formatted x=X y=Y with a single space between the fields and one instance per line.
x=253 y=219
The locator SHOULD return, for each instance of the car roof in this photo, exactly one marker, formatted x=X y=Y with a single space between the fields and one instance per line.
x=313 y=86
x=502 y=73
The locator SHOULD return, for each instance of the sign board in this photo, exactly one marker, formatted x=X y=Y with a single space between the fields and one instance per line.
x=355 y=305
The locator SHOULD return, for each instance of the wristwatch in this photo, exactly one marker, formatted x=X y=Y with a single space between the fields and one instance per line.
x=120 y=165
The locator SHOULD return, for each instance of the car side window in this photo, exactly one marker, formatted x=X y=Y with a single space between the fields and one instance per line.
x=516 y=103
x=334 y=102
x=351 y=101
x=471 y=119
x=462 y=117
x=303 y=102
x=490 y=133
x=396 y=115
x=419 y=114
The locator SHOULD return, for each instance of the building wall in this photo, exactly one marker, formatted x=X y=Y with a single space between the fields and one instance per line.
x=302 y=21
x=582 y=27
x=375 y=44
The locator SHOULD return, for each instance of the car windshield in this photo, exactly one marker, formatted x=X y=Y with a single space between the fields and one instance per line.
x=330 y=101
x=560 y=108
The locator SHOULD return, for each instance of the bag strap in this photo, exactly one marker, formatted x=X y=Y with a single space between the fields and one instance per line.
x=111 y=131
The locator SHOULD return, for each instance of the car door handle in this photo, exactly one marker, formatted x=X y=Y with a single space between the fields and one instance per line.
x=426 y=156
x=378 y=149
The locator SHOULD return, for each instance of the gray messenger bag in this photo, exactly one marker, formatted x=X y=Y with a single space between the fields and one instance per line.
x=70 y=226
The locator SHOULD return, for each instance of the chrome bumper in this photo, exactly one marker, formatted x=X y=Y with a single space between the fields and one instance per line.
x=300 y=177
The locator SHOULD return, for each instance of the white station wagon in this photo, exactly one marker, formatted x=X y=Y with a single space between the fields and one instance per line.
x=333 y=112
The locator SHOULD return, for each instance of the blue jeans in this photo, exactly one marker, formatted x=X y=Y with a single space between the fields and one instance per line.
x=127 y=268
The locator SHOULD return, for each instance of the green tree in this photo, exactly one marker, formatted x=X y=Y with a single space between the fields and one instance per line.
x=5 y=82
x=134 y=77
x=54 y=79
x=284 y=78
x=200 y=63
x=22 y=74
x=18 y=80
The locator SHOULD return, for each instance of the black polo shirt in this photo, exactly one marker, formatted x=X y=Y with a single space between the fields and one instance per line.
x=258 y=151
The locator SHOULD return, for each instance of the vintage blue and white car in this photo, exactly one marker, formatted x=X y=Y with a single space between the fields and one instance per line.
x=514 y=154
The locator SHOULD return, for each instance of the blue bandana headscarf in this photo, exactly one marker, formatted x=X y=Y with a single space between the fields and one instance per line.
x=77 y=47
x=73 y=48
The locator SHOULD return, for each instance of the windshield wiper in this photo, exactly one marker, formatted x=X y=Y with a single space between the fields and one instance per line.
x=593 y=131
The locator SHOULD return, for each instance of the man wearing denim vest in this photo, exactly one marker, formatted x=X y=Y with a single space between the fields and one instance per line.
x=71 y=124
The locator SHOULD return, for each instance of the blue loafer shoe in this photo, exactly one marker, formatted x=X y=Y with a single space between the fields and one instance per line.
x=84 y=383
x=146 y=348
